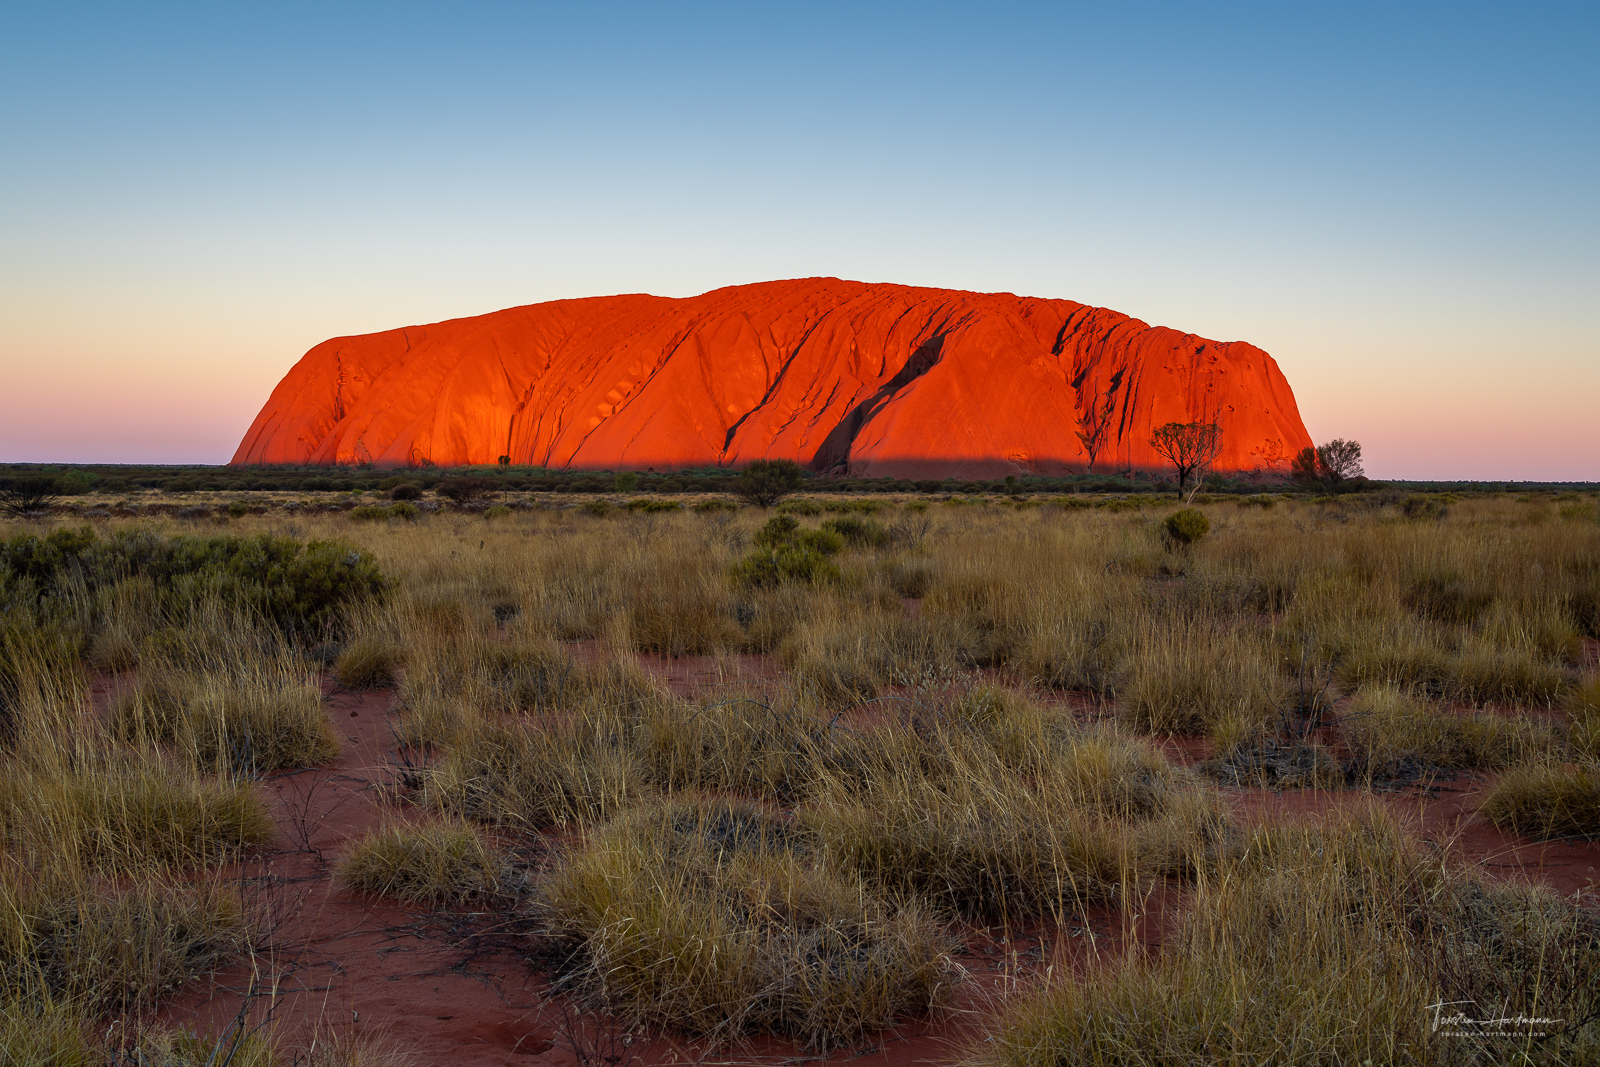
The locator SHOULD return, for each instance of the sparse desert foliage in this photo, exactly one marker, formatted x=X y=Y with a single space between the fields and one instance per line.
x=910 y=722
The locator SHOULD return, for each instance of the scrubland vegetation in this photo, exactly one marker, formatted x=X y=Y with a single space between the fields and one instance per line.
x=926 y=719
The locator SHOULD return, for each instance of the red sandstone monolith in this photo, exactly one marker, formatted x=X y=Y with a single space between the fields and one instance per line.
x=872 y=379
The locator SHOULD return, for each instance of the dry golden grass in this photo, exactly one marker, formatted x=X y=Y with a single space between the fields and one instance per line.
x=112 y=946
x=1392 y=732
x=1329 y=945
x=1546 y=801
x=423 y=863
x=915 y=793
x=709 y=918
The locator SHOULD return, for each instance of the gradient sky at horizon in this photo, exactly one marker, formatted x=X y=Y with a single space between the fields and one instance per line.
x=1400 y=202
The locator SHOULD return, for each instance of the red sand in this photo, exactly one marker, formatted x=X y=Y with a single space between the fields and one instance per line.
x=458 y=994
x=874 y=379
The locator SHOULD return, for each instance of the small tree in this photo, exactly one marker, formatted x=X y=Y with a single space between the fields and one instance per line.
x=1306 y=467
x=1330 y=464
x=30 y=493
x=766 y=481
x=1341 y=460
x=627 y=481
x=1191 y=447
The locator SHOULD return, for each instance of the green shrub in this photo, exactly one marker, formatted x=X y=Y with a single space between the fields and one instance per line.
x=768 y=567
x=405 y=491
x=627 y=481
x=598 y=508
x=787 y=553
x=779 y=530
x=802 y=506
x=1187 y=526
x=303 y=588
x=705 y=507
x=499 y=511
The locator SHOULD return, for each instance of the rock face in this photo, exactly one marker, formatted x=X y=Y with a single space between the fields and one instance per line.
x=877 y=380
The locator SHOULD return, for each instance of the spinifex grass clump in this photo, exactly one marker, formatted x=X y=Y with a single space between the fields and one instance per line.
x=549 y=771
x=367 y=663
x=1394 y=734
x=1547 y=801
x=258 y=718
x=120 y=811
x=1005 y=813
x=112 y=946
x=709 y=918
x=1583 y=726
x=1332 y=944
x=428 y=863
x=47 y=1034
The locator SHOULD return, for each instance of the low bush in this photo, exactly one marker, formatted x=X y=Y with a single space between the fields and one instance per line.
x=304 y=589
x=1424 y=508
x=1187 y=526
x=786 y=552
x=466 y=490
x=706 y=507
x=406 y=491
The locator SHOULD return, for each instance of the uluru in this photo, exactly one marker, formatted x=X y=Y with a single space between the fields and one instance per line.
x=868 y=379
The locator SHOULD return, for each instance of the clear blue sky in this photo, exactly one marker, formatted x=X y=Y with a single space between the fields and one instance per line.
x=1399 y=201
